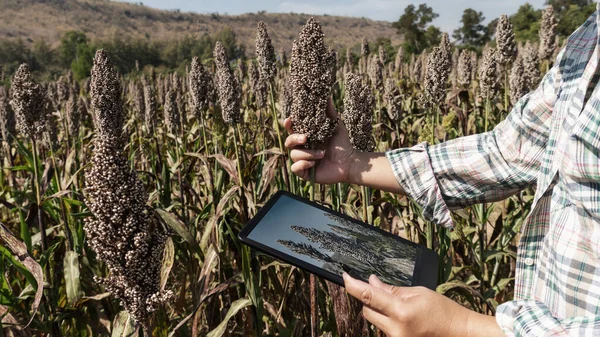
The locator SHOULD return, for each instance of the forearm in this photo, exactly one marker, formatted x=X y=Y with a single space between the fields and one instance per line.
x=373 y=170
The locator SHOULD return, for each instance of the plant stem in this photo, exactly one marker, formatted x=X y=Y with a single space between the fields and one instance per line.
x=38 y=197
x=314 y=313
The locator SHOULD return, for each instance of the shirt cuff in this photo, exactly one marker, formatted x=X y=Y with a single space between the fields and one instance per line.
x=528 y=318
x=414 y=172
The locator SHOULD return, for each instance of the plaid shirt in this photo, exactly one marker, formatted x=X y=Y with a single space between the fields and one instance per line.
x=551 y=139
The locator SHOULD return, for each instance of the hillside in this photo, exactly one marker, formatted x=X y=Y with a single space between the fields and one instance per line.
x=33 y=20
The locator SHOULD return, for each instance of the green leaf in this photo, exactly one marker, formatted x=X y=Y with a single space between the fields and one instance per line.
x=177 y=226
x=123 y=325
x=235 y=307
x=71 y=269
x=167 y=262
x=20 y=253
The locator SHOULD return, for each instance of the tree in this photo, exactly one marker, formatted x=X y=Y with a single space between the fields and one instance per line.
x=67 y=51
x=472 y=33
x=562 y=6
x=571 y=17
x=84 y=59
x=526 y=23
x=414 y=27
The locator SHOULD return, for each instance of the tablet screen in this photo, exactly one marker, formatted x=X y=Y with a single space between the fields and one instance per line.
x=333 y=243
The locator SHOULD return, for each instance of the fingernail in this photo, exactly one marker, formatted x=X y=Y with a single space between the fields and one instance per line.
x=345 y=276
x=320 y=153
x=300 y=138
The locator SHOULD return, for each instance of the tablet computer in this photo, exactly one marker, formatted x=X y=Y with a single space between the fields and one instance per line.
x=328 y=243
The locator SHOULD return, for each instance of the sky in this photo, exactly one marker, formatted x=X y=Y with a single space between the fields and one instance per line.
x=450 y=11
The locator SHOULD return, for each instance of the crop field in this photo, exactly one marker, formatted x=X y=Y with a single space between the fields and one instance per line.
x=121 y=196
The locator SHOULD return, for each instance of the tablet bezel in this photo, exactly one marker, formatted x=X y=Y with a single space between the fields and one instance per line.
x=426 y=265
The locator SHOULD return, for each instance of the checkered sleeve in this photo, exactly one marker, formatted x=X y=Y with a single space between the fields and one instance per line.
x=532 y=318
x=480 y=168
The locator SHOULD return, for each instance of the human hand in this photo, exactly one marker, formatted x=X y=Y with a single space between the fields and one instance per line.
x=332 y=160
x=417 y=311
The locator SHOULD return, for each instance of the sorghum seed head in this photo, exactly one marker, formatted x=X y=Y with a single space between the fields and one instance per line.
x=285 y=99
x=383 y=57
x=257 y=85
x=228 y=87
x=29 y=102
x=265 y=53
x=73 y=115
x=358 y=113
x=123 y=232
x=312 y=74
x=547 y=33
x=488 y=73
x=399 y=59
x=505 y=40
x=393 y=99
x=149 y=104
x=172 y=116
x=531 y=65
x=105 y=91
x=439 y=65
x=200 y=84
x=464 y=68
x=375 y=71
x=516 y=80
x=364 y=48
x=7 y=117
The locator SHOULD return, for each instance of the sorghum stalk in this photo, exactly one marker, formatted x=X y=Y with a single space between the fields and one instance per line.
x=312 y=73
x=357 y=116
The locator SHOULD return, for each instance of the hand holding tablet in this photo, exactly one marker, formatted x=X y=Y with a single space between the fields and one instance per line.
x=328 y=243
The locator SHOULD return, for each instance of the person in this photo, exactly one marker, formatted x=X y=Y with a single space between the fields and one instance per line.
x=550 y=140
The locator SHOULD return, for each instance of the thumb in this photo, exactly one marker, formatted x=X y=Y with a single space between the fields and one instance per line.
x=331 y=113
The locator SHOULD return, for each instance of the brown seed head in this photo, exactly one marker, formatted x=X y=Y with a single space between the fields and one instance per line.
x=123 y=231
x=358 y=113
x=505 y=40
x=547 y=33
x=149 y=104
x=393 y=99
x=439 y=65
x=201 y=87
x=488 y=73
x=7 y=117
x=29 y=102
x=516 y=80
x=228 y=87
x=464 y=67
x=105 y=90
x=312 y=74
x=531 y=66
x=265 y=53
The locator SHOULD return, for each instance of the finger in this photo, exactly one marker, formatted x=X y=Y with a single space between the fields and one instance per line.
x=331 y=113
x=369 y=295
x=378 y=319
x=287 y=124
x=300 y=168
x=376 y=282
x=294 y=140
x=306 y=154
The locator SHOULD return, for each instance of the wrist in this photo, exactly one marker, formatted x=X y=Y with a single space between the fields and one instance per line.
x=353 y=172
x=481 y=325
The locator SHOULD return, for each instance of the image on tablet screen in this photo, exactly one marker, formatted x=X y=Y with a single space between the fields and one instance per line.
x=333 y=243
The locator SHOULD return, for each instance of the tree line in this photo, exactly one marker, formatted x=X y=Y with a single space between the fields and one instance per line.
x=76 y=50
x=414 y=25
